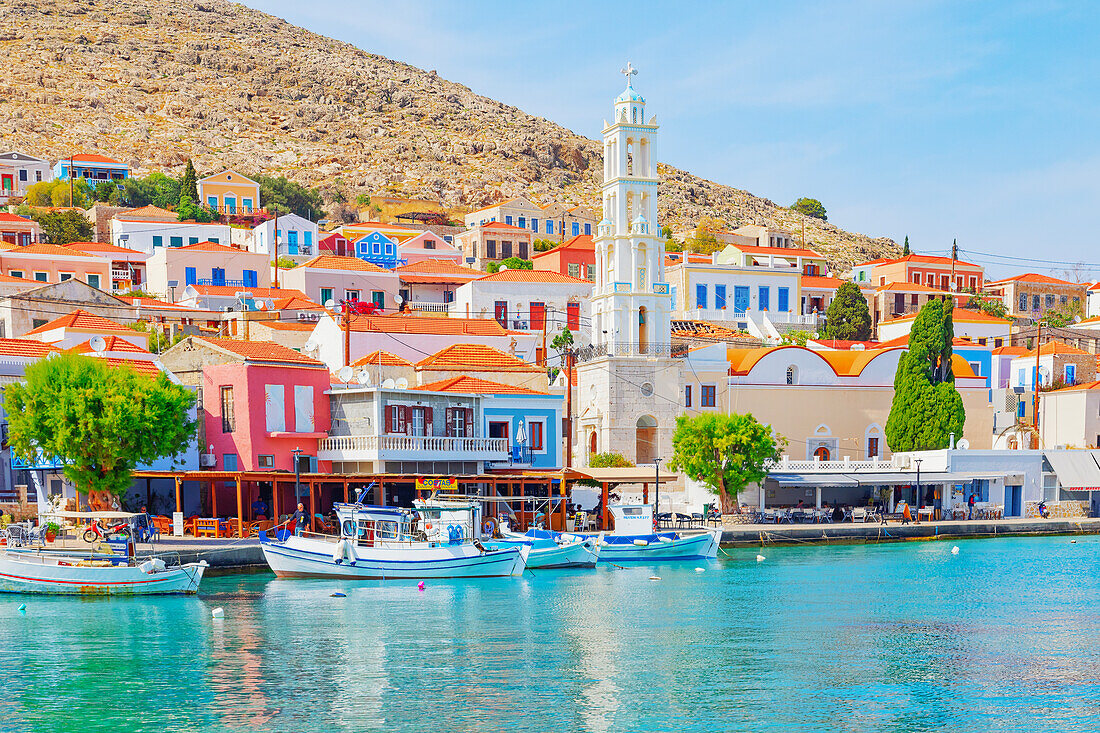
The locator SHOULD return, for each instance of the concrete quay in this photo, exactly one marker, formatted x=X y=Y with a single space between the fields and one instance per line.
x=758 y=535
x=230 y=553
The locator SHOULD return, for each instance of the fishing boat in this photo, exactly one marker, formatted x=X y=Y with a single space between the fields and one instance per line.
x=94 y=574
x=635 y=541
x=386 y=543
x=551 y=549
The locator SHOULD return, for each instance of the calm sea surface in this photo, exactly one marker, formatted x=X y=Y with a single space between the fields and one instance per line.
x=1003 y=636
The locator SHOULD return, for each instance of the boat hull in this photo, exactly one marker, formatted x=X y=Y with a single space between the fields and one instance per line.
x=33 y=574
x=548 y=554
x=298 y=557
x=703 y=546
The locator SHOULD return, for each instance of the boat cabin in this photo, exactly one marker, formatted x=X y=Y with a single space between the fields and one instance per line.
x=632 y=519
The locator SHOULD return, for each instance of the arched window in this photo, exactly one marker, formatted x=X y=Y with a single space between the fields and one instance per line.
x=610 y=265
x=643 y=256
x=792 y=375
x=822 y=453
x=634 y=114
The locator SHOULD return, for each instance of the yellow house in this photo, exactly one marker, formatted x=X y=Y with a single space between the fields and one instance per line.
x=229 y=192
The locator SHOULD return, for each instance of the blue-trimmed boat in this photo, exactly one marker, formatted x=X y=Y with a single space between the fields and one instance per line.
x=552 y=549
x=387 y=543
x=635 y=541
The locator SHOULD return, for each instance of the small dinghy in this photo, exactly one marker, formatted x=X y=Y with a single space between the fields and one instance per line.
x=635 y=541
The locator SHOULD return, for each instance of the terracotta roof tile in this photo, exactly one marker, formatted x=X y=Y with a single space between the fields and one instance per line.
x=100 y=247
x=428 y=324
x=15 y=218
x=962 y=315
x=821 y=283
x=581 y=241
x=140 y=366
x=533 y=276
x=1033 y=277
x=383 y=358
x=260 y=351
x=147 y=213
x=474 y=358
x=113 y=343
x=472 y=385
x=338 y=262
x=147 y=302
x=296 y=303
x=232 y=290
x=25 y=348
x=436 y=271
x=1053 y=348
x=909 y=288
x=209 y=247
x=82 y=320
x=50 y=250
x=90 y=158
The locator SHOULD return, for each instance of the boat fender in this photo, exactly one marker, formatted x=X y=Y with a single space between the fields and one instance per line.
x=665 y=539
x=218 y=613
x=641 y=543
x=338 y=552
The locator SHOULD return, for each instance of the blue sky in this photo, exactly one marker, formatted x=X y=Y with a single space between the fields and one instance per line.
x=977 y=120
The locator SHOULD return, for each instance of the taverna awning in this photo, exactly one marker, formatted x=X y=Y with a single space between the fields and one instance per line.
x=629 y=475
x=883 y=478
x=813 y=479
x=1077 y=469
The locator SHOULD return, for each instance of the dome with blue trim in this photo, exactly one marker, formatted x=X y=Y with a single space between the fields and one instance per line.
x=629 y=95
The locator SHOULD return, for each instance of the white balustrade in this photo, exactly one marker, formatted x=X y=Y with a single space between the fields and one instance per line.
x=420 y=445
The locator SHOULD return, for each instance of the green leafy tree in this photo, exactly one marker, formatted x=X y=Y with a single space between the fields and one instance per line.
x=562 y=341
x=285 y=196
x=100 y=422
x=106 y=192
x=794 y=338
x=512 y=263
x=544 y=245
x=285 y=263
x=56 y=193
x=666 y=232
x=848 y=318
x=905 y=247
x=725 y=452
x=608 y=460
x=363 y=199
x=991 y=305
x=188 y=210
x=189 y=182
x=159 y=340
x=810 y=207
x=927 y=407
x=1063 y=315
x=62 y=227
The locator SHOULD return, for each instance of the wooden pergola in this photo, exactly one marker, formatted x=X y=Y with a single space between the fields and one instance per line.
x=609 y=477
x=508 y=487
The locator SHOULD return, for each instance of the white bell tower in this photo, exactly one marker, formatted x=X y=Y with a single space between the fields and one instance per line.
x=631 y=302
x=628 y=383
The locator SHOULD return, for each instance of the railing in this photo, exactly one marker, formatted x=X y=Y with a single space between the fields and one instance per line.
x=714 y=314
x=596 y=351
x=429 y=307
x=660 y=288
x=620 y=287
x=223 y=282
x=121 y=275
x=521 y=454
x=842 y=466
x=414 y=444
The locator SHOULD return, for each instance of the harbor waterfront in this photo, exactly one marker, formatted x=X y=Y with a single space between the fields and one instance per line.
x=860 y=637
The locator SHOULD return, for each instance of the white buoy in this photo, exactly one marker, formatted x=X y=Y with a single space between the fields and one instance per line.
x=218 y=613
x=1073 y=542
x=760 y=558
x=654 y=577
x=955 y=550
x=700 y=570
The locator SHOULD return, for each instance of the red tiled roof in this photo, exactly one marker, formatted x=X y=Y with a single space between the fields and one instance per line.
x=927 y=259
x=474 y=358
x=904 y=341
x=140 y=366
x=102 y=247
x=339 y=262
x=25 y=348
x=147 y=213
x=436 y=271
x=49 y=250
x=962 y=315
x=473 y=385
x=533 y=276
x=752 y=249
x=846 y=345
x=1009 y=350
x=260 y=351
x=581 y=241
x=210 y=247
x=1055 y=347
x=232 y=290
x=382 y=358
x=286 y=325
x=821 y=283
x=9 y=280
x=147 y=302
x=90 y=158
x=296 y=303
x=428 y=324
x=1086 y=385
x=1033 y=277
x=909 y=288
x=113 y=343
x=15 y=218
x=82 y=320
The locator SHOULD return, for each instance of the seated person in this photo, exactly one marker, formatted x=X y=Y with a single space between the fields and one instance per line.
x=259 y=508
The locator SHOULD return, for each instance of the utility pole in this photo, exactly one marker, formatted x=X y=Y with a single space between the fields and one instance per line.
x=954 y=258
x=70 y=178
x=1035 y=407
x=569 y=407
x=656 y=491
x=275 y=237
x=347 y=334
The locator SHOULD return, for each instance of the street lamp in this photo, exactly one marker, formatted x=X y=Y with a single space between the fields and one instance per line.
x=297 y=476
x=656 y=491
x=918 y=462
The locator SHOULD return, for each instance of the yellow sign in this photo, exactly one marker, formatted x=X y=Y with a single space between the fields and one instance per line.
x=437 y=484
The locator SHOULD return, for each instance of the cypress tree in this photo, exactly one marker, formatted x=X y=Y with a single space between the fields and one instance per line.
x=847 y=318
x=927 y=408
x=189 y=182
x=905 y=247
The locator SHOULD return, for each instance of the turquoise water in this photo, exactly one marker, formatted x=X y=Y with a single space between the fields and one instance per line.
x=1004 y=636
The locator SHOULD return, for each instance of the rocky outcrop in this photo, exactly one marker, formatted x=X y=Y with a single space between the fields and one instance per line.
x=154 y=82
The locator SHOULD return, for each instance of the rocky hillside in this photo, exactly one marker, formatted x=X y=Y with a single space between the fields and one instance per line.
x=154 y=82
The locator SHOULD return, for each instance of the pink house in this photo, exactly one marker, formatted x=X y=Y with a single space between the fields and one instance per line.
x=428 y=246
x=262 y=405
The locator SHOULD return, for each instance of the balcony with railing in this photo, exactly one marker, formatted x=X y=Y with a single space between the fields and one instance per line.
x=224 y=282
x=596 y=351
x=121 y=275
x=426 y=306
x=412 y=448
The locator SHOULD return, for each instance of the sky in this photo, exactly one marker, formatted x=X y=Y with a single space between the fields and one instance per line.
x=972 y=120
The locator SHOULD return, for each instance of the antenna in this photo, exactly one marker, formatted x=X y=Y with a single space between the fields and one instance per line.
x=345 y=373
x=402 y=383
x=363 y=377
x=398 y=299
x=387 y=383
x=98 y=344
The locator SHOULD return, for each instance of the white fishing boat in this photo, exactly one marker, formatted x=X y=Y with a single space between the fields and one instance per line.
x=94 y=574
x=551 y=549
x=635 y=541
x=387 y=543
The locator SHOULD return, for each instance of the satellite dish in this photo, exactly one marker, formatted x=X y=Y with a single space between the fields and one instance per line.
x=310 y=346
x=229 y=309
x=330 y=304
x=398 y=299
x=387 y=384
x=363 y=377
x=1044 y=371
x=402 y=383
x=503 y=268
x=261 y=305
x=345 y=373
x=98 y=344
x=962 y=444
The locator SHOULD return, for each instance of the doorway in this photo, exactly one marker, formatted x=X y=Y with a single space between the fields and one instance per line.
x=645 y=439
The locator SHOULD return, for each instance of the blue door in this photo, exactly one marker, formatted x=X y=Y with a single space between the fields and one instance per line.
x=741 y=298
x=190 y=276
x=217 y=274
x=292 y=242
x=765 y=298
x=250 y=279
x=784 y=300
x=719 y=296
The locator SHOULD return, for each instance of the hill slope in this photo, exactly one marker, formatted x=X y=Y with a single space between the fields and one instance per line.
x=154 y=82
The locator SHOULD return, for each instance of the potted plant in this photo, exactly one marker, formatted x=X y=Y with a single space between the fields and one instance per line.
x=52 y=530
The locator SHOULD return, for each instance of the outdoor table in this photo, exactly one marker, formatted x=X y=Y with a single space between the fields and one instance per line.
x=924 y=512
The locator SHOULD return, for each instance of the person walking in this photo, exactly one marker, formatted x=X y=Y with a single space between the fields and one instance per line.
x=970 y=507
x=906 y=515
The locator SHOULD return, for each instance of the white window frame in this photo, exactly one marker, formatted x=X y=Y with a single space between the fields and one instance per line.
x=528 y=421
x=41 y=272
x=97 y=276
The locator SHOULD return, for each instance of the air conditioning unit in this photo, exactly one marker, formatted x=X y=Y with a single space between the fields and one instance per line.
x=314 y=317
x=207 y=460
x=303 y=316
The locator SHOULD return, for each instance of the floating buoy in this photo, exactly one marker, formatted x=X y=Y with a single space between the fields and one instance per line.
x=420 y=585
x=760 y=558
x=22 y=608
x=337 y=594
x=700 y=570
x=955 y=550
x=218 y=613
x=1073 y=542
x=654 y=577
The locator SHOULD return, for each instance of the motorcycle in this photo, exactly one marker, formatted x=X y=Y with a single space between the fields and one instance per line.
x=95 y=533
